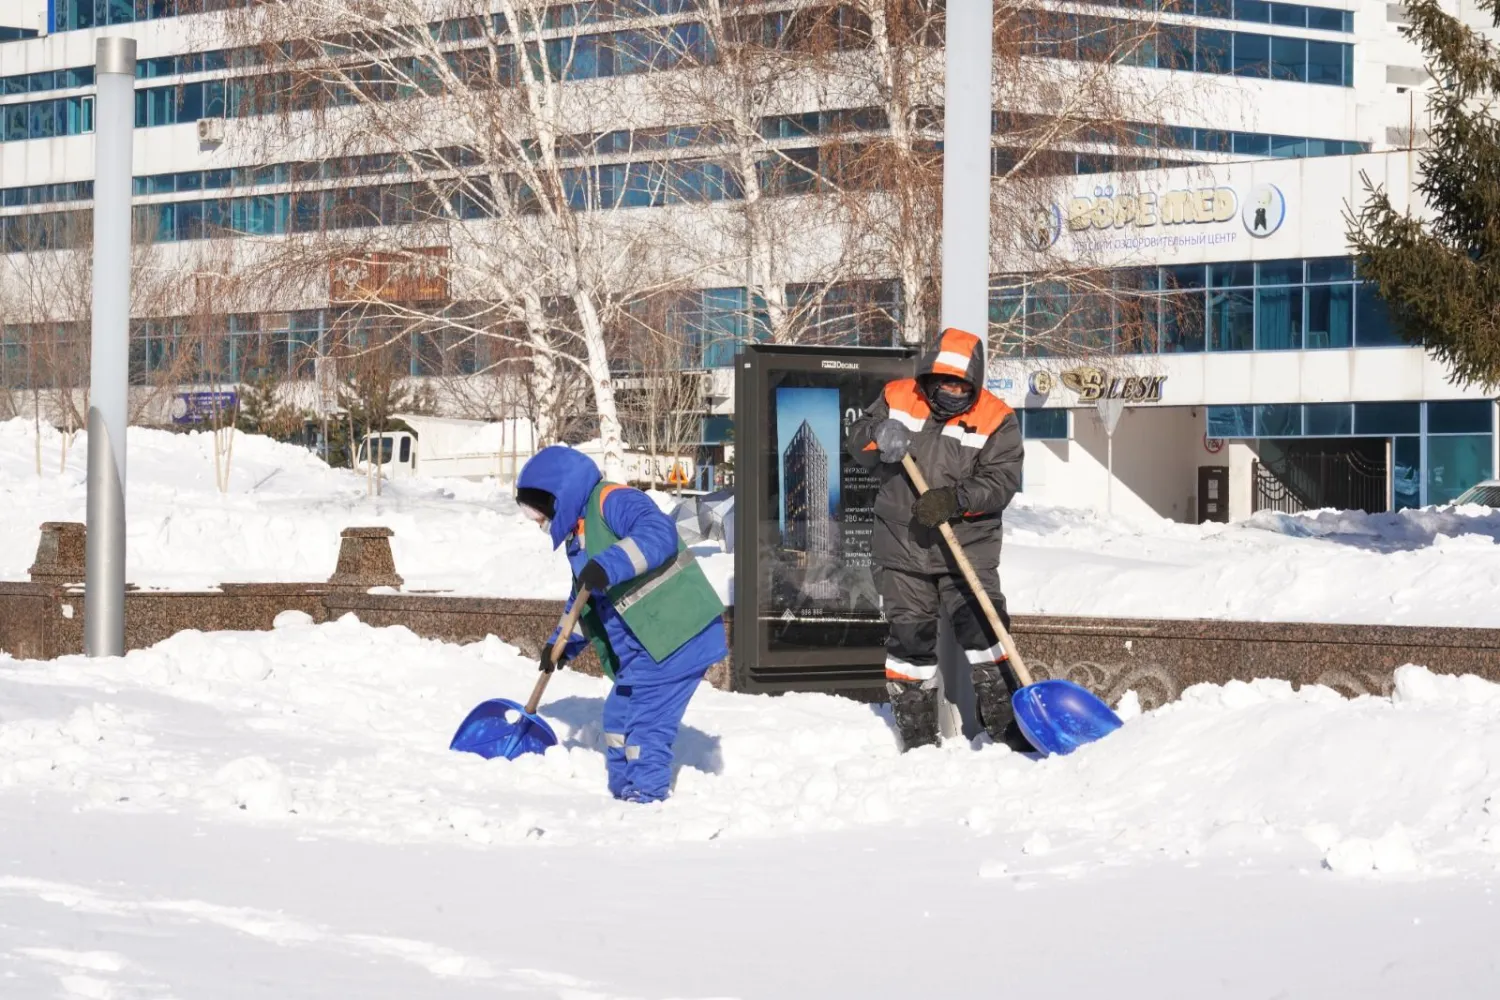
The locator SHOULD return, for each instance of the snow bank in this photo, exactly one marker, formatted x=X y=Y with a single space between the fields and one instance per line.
x=341 y=730
x=281 y=519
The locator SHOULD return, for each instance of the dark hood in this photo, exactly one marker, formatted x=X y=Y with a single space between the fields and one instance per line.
x=958 y=354
x=570 y=476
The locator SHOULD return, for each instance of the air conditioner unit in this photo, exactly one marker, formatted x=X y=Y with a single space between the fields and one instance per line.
x=210 y=130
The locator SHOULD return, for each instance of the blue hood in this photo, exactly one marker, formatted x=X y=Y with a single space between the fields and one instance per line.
x=570 y=476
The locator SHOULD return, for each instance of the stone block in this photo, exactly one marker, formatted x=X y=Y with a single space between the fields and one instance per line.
x=365 y=560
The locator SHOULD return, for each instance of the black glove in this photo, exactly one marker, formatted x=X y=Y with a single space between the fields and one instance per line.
x=594 y=577
x=935 y=507
x=894 y=440
x=545 y=664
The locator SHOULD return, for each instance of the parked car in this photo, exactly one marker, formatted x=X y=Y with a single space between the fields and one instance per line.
x=1485 y=494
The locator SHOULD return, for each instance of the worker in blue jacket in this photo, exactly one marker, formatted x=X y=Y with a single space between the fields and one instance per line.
x=652 y=617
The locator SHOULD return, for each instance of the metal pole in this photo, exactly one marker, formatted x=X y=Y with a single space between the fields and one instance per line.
x=967 y=105
x=966 y=166
x=1109 y=483
x=109 y=372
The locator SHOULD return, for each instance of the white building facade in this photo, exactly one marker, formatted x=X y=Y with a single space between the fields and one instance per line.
x=1260 y=348
x=1260 y=337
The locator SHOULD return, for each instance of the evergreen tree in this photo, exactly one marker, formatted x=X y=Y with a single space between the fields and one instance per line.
x=1441 y=275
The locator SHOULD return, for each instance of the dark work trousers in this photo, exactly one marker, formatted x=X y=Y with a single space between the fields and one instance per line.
x=912 y=603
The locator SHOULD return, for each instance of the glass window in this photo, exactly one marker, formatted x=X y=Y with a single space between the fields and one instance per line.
x=1258 y=11
x=1174 y=49
x=1372 y=320
x=1324 y=19
x=1252 y=143
x=1289 y=147
x=1182 y=322
x=1387 y=418
x=1211 y=8
x=1454 y=463
x=1325 y=63
x=1278 y=420
x=1231 y=421
x=1466 y=416
x=1291 y=15
x=1280 y=272
x=1183 y=276
x=1289 y=59
x=1252 y=55
x=1214 y=53
x=1231 y=321
x=1330 y=269
x=1049 y=424
x=1330 y=309
x=1406 y=471
x=1328 y=419
x=1278 y=318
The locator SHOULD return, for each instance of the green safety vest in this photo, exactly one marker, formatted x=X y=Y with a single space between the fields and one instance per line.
x=663 y=608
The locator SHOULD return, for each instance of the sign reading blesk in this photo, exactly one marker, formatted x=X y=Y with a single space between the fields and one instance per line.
x=1206 y=212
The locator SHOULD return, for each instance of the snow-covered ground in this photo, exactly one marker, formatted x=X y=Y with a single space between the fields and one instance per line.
x=282 y=517
x=276 y=815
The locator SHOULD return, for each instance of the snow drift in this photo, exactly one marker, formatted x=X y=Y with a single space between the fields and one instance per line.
x=341 y=730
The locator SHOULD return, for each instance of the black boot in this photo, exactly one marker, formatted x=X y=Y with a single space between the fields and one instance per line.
x=992 y=703
x=915 y=709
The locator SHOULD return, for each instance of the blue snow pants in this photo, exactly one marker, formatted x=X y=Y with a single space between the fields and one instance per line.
x=640 y=726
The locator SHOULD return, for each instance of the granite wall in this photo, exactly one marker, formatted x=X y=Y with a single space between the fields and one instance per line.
x=1158 y=658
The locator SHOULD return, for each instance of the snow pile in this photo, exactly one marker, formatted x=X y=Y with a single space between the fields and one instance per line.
x=341 y=730
x=280 y=521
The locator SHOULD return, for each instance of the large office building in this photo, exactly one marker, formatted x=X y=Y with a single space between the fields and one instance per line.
x=1259 y=370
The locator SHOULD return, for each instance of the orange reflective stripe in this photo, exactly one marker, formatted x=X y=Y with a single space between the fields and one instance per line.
x=904 y=398
x=988 y=414
x=955 y=353
x=872 y=446
x=607 y=489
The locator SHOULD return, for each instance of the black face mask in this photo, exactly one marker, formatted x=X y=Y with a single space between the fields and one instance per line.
x=538 y=500
x=945 y=406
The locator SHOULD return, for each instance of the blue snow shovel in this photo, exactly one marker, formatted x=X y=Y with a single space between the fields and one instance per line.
x=500 y=727
x=1057 y=716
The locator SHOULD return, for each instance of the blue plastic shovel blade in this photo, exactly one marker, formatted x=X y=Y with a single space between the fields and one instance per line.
x=501 y=728
x=1058 y=717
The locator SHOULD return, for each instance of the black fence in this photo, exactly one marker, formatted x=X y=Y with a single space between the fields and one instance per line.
x=1342 y=478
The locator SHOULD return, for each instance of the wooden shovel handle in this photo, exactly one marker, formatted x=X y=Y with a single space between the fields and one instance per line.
x=564 y=627
x=1023 y=676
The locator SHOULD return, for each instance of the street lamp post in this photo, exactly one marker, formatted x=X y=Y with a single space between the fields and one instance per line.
x=109 y=360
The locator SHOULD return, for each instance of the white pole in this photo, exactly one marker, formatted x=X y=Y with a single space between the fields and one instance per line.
x=1109 y=485
x=109 y=371
x=966 y=167
x=967 y=101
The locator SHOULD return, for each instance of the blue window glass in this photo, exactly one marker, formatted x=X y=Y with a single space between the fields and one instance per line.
x=1387 y=418
x=1330 y=314
x=1325 y=63
x=1230 y=421
x=1045 y=424
x=1213 y=8
x=1232 y=275
x=1328 y=419
x=1348 y=64
x=1252 y=143
x=1174 y=48
x=1231 y=321
x=1325 y=19
x=1289 y=147
x=1183 y=276
x=717 y=430
x=1454 y=463
x=1279 y=272
x=1406 y=471
x=1372 y=320
x=1330 y=269
x=1215 y=140
x=1291 y=15
x=1258 y=11
x=1466 y=416
x=1215 y=51
x=1289 y=59
x=1252 y=55
x=1278 y=319
x=1278 y=420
